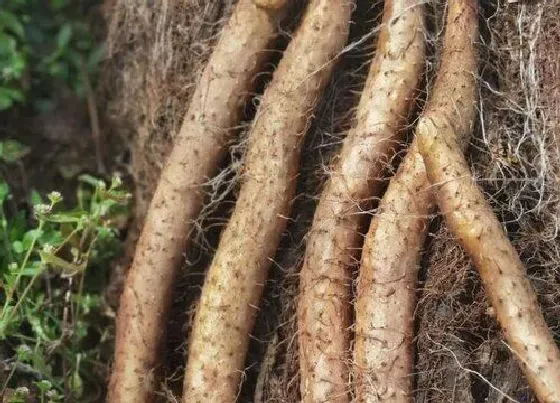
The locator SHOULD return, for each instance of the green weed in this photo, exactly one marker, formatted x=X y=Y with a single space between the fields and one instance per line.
x=54 y=335
x=42 y=43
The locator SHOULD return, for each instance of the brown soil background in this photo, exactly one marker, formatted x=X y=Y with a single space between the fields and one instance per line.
x=156 y=52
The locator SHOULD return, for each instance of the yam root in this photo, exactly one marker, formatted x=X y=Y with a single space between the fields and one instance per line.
x=471 y=219
x=386 y=300
x=386 y=288
x=235 y=280
x=324 y=306
x=208 y=125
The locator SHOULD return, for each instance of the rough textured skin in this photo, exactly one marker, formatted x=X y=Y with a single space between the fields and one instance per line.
x=386 y=289
x=324 y=308
x=235 y=280
x=209 y=123
x=470 y=217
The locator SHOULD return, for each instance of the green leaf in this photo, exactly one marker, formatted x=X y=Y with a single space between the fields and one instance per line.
x=35 y=198
x=58 y=4
x=30 y=236
x=12 y=151
x=24 y=353
x=10 y=22
x=32 y=270
x=5 y=101
x=18 y=226
x=64 y=36
x=37 y=326
x=67 y=269
x=44 y=385
x=8 y=96
x=95 y=57
x=77 y=385
x=69 y=217
x=4 y=188
x=17 y=246
x=91 y=180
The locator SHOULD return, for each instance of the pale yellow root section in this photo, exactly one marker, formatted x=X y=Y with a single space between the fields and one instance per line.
x=324 y=305
x=386 y=289
x=209 y=123
x=235 y=280
x=470 y=217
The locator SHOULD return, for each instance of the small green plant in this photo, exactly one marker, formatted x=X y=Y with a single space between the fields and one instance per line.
x=41 y=43
x=52 y=267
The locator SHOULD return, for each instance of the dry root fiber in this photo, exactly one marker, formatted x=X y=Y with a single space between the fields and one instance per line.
x=156 y=53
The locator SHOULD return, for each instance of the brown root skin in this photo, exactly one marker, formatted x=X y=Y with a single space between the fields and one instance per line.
x=202 y=142
x=235 y=280
x=386 y=288
x=470 y=217
x=324 y=308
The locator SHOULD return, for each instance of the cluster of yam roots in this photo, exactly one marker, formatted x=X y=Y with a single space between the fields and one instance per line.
x=357 y=285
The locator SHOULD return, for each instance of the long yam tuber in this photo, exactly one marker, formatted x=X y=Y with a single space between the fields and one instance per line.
x=324 y=308
x=235 y=280
x=386 y=288
x=470 y=217
x=209 y=123
x=386 y=300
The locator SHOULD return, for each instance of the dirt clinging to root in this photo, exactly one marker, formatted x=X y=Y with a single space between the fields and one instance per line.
x=155 y=53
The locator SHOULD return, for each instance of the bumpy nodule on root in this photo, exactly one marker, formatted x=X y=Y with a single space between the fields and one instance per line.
x=324 y=306
x=235 y=280
x=471 y=219
x=215 y=110
x=386 y=299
